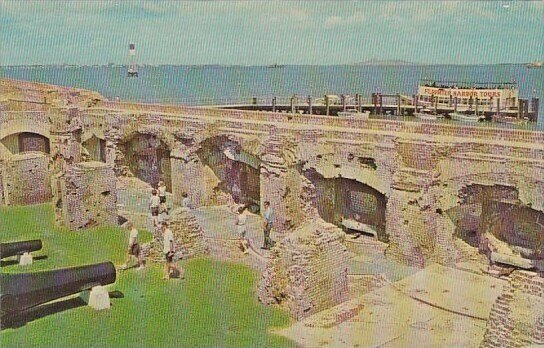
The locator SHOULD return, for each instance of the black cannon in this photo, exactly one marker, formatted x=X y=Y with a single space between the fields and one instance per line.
x=15 y=248
x=22 y=291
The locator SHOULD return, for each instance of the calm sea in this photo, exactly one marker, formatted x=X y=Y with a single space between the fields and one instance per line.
x=197 y=85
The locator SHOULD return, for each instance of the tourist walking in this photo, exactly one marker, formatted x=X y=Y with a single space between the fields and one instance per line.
x=241 y=228
x=268 y=215
x=162 y=196
x=134 y=249
x=185 y=203
x=154 y=204
x=171 y=269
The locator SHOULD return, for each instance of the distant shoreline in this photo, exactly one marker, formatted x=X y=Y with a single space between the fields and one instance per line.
x=383 y=64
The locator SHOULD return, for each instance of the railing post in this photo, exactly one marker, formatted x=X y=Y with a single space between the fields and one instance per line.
x=292 y=101
x=416 y=100
x=375 y=102
x=360 y=103
x=398 y=104
x=498 y=106
x=274 y=104
x=477 y=104
x=327 y=105
x=357 y=105
x=310 y=110
x=534 y=107
x=380 y=96
x=343 y=102
x=455 y=103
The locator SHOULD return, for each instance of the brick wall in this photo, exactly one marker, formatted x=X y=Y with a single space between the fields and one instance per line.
x=308 y=270
x=517 y=317
x=88 y=196
x=27 y=179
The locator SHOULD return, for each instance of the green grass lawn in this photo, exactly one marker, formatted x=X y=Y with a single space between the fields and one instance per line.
x=214 y=306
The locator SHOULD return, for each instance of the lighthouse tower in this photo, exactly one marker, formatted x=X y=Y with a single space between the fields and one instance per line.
x=132 y=70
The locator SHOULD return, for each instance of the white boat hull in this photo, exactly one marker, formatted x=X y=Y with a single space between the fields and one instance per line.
x=430 y=117
x=465 y=118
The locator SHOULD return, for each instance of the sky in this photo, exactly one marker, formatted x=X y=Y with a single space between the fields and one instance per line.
x=271 y=32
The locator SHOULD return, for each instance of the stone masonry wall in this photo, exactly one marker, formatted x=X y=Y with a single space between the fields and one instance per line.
x=188 y=237
x=517 y=317
x=88 y=196
x=307 y=272
x=27 y=179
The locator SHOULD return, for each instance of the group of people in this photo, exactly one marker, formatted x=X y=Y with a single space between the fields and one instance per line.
x=241 y=227
x=159 y=213
x=171 y=269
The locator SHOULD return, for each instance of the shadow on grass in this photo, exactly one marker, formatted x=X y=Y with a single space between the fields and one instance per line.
x=14 y=262
x=20 y=319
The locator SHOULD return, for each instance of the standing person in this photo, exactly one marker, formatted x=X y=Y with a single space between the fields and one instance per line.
x=268 y=220
x=162 y=196
x=185 y=203
x=241 y=220
x=154 y=204
x=168 y=250
x=134 y=249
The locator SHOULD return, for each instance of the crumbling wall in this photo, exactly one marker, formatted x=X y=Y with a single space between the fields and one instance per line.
x=307 y=272
x=26 y=179
x=88 y=196
x=517 y=317
x=188 y=237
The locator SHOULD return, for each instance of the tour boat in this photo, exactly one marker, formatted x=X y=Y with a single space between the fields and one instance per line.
x=510 y=120
x=365 y=115
x=427 y=114
x=466 y=117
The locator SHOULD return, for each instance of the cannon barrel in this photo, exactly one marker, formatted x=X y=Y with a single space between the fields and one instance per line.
x=12 y=249
x=22 y=291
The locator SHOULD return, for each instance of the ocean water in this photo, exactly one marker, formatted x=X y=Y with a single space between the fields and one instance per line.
x=205 y=85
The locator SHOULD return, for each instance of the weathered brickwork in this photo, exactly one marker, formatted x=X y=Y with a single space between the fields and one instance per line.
x=26 y=179
x=420 y=168
x=189 y=238
x=308 y=270
x=88 y=196
x=517 y=317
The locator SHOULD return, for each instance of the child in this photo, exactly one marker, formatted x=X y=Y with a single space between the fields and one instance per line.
x=168 y=250
x=185 y=201
x=134 y=249
x=154 y=203
x=241 y=220
x=162 y=196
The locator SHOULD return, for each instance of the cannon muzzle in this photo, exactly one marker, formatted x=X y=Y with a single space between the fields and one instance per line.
x=15 y=248
x=22 y=291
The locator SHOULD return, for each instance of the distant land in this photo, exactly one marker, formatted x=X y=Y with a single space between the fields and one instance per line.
x=373 y=62
x=377 y=62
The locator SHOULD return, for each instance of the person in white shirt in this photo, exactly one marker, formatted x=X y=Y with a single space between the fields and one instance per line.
x=241 y=227
x=134 y=249
x=162 y=196
x=168 y=250
x=185 y=202
x=154 y=204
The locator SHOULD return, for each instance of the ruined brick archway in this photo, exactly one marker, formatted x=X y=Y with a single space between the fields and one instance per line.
x=95 y=148
x=341 y=200
x=235 y=167
x=26 y=142
x=492 y=218
x=148 y=158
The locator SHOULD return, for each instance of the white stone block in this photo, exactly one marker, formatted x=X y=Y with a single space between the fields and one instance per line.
x=97 y=298
x=25 y=259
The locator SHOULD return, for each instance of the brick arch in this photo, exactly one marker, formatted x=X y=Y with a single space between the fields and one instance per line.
x=164 y=135
x=457 y=173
